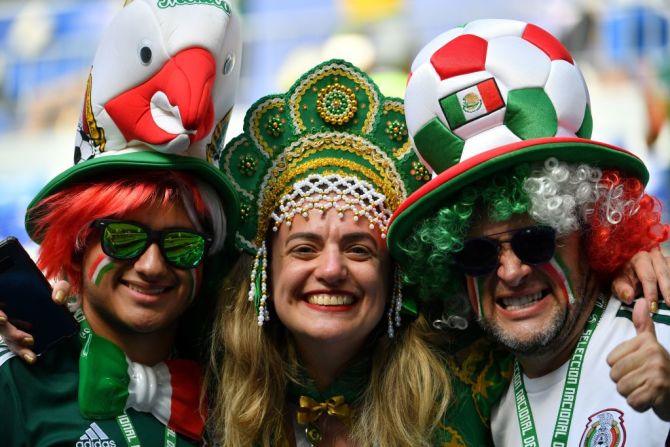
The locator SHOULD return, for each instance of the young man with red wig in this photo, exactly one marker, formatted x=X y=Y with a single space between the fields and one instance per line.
x=525 y=229
x=137 y=227
x=133 y=248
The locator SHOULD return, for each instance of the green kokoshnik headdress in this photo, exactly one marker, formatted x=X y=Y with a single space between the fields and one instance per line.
x=333 y=140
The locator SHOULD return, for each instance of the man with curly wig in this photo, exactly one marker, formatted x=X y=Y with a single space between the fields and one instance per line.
x=524 y=230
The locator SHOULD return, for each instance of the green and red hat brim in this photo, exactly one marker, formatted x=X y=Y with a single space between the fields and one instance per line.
x=144 y=160
x=435 y=194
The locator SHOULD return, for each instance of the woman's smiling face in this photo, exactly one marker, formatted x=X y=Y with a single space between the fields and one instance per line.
x=330 y=278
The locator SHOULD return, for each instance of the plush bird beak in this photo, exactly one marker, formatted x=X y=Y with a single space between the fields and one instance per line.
x=173 y=108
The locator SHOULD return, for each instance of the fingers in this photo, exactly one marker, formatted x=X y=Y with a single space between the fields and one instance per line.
x=640 y=367
x=638 y=346
x=623 y=360
x=648 y=384
x=17 y=341
x=624 y=285
x=642 y=319
x=26 y=354
x=623 y=289
x=639 y=397
x=61 y=290
x=662 y=269
x=646 y=273
x=665 y=288
x=645 y=270
x=631 y=385
x=619 y=353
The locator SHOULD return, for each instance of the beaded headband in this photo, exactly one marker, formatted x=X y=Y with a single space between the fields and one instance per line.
x=324 y=192
x=332 y=141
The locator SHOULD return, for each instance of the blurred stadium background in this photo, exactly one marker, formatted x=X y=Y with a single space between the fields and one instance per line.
x=46 y=47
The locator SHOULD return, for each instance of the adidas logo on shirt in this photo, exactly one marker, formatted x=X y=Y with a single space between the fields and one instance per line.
x=95 y=437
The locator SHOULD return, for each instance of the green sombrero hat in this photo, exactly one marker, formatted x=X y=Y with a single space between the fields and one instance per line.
x=142 y=159
x=486 y=97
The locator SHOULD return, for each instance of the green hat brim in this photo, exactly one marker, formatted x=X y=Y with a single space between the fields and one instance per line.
x=424 y=202
x=144 y=160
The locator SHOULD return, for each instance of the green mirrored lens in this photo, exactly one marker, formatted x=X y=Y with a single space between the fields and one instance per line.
x=124 y=240
x=184 y=249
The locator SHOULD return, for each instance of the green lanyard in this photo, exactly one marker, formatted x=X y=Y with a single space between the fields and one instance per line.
x=128 y=430
x=562 y=427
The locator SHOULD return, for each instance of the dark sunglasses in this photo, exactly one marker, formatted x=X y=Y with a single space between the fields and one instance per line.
x=126 y=240
x=532 y=245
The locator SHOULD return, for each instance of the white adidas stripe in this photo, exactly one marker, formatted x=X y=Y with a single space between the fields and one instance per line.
x=95 y=437
x=94 y=432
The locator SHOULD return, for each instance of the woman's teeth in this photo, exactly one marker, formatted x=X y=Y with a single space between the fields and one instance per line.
x=519 y=302
x=330 y=300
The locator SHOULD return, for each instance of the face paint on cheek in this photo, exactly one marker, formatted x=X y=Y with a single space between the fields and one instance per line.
x=102 y=265
x=559 y=274
x=475 y=286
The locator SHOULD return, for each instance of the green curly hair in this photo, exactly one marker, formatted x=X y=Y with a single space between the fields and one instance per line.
x=444 y=234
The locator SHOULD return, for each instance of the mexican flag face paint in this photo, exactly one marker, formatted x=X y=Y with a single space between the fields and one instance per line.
x=102 y=265
x=475 y=285
x=559 y=275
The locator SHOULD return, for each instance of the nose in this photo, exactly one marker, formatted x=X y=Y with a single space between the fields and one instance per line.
x=331 y=268
x=511 y=269
x=151 y=263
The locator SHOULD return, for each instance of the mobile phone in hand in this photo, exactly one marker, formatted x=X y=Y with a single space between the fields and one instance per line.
x=25 y=297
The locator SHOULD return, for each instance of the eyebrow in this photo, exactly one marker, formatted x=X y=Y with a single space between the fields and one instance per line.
x=303 y=235
x=346 y=239
x=361 y=235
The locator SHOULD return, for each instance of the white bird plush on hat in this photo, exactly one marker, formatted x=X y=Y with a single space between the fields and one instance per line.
x=164 y=78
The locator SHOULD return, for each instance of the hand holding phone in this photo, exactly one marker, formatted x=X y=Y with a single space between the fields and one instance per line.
x=25 y=297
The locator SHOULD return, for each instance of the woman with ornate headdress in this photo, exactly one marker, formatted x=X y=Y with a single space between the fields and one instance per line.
x=317 y=343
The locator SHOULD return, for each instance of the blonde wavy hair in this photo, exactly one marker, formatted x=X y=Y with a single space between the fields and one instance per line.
x=251 y=366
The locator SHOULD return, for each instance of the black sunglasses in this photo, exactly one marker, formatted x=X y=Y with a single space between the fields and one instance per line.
x=126 y=240
x=532 y=245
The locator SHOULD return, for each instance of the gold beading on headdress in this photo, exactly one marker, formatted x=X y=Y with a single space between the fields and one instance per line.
x=324 y=192
x=333 y=141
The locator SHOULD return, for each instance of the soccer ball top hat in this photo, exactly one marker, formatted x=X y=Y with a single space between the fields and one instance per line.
x=159 y=96
x=489 y=95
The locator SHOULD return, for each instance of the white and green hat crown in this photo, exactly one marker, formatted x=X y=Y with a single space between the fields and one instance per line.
x=159 y=95
x=492 y=83
x=489 y=95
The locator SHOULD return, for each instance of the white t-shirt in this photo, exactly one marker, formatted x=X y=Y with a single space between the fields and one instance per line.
x=601 y=416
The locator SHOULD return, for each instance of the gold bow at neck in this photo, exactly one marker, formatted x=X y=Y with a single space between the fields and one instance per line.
x=310 y=410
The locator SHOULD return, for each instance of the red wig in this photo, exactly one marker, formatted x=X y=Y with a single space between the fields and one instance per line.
x=62 y=221
x=609 y=244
